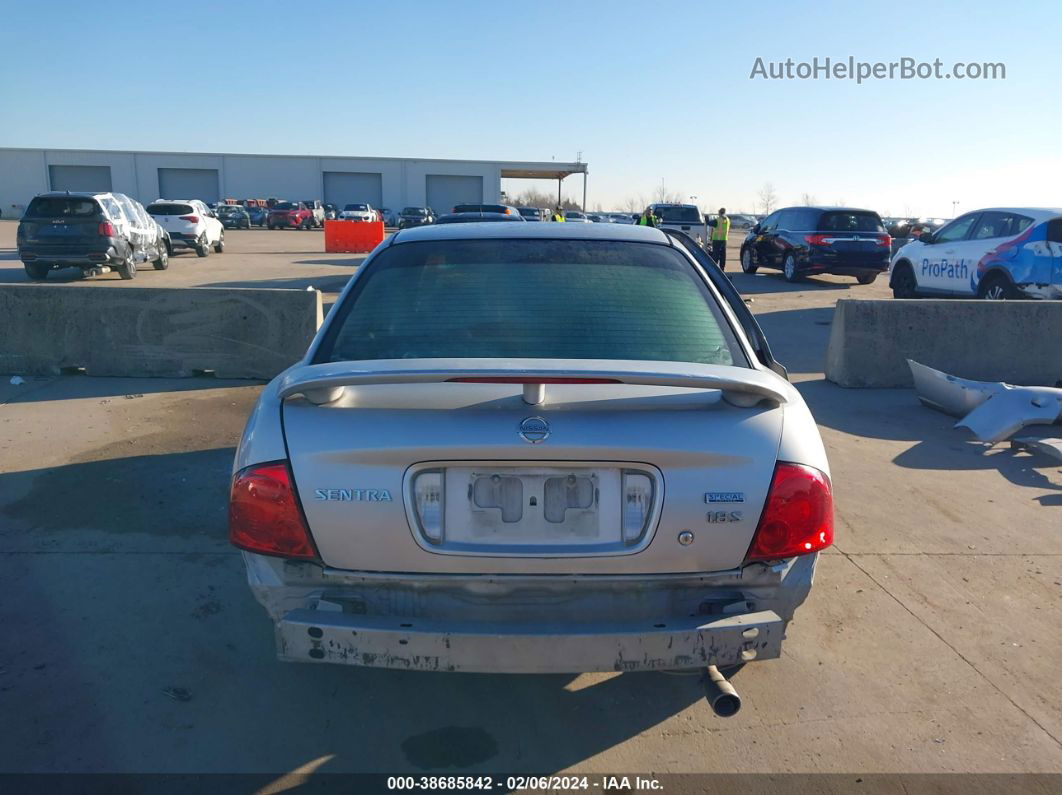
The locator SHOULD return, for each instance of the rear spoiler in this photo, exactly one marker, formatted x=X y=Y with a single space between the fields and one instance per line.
x=324 y=383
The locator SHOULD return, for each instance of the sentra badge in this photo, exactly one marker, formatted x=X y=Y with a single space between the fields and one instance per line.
x=353 y=495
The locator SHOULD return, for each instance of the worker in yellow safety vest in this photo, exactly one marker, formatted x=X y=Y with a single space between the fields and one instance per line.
x=648 y=218
x=720 y=230
x=558 y=215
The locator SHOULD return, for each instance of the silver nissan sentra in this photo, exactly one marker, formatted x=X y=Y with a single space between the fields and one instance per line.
x=533 y=448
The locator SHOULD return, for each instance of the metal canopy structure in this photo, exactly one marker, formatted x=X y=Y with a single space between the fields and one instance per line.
x=557 y=171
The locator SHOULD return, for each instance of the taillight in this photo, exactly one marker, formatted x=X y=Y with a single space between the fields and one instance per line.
x=884 y=241
x=798 y=516
x=264 y=515
x=105 y=229
x=192 y=219
x=818 y=240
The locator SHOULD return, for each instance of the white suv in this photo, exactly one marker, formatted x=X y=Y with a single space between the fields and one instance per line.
x=191 y=224
x=358 y=212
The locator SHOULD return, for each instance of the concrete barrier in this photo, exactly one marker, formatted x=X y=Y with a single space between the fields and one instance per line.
x=1013 y=341
x=153 y=331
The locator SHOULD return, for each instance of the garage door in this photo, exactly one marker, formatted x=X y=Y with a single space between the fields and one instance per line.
x=80 y=177
x=352 y=187
x=189 y=183
x=446 y=190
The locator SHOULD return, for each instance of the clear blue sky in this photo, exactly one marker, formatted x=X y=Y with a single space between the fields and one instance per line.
x=650 y=91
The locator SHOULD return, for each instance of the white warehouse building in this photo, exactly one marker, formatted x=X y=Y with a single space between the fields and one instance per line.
x=146 y=176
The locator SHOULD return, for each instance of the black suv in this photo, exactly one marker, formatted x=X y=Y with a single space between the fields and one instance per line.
x=97 y=232
x=415 y=216
x=801 y=241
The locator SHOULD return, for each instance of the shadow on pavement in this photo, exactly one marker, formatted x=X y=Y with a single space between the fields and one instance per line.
x=896 y=415
x=118 y=495
x=115 y=635
x=773 y=282
x=1021 y=468
x=798 y=337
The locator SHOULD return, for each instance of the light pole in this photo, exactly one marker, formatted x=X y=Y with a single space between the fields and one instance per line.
x=953 y=206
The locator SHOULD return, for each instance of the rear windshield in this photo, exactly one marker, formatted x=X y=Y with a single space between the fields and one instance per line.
x=553 y=299
x=160 y=208
x=679 y=215
x=414 y=211
x=62 y=207
x=843 y=221
x=529 y=212
x=480 y=208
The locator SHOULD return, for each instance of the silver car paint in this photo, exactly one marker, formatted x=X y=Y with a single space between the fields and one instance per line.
x=699 y=442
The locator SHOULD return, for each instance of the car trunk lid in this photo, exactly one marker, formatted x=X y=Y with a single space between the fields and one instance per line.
x=599 y=477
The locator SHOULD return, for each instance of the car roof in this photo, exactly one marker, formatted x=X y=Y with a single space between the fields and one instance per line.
x=471 y=218
x=84 y=194
x=617 y=232
x=827 y=208
x=1038 y=213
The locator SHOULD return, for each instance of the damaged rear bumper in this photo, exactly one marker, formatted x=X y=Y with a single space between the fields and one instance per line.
x=322 y=636
x=529 y=623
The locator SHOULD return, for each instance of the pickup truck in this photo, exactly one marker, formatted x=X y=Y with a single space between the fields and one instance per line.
x=684 y=218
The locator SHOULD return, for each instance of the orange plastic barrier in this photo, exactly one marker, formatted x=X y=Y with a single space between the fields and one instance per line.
x=352 y=237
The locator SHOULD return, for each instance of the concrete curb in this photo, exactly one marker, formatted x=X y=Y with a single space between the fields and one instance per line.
x=1013 y=341
x=157 y=332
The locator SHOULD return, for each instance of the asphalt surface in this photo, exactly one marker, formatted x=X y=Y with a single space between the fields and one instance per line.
x=929 y=643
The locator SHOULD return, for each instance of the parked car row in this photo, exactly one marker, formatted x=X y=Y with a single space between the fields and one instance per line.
x=304 y=214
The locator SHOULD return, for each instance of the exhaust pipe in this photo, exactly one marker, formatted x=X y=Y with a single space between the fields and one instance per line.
x=721 y=695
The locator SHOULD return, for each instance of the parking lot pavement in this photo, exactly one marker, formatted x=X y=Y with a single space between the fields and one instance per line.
x=253 y=258
x=929 y=643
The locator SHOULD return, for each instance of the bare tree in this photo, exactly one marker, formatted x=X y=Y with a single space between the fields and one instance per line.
x=664 y=196
x=634 y=204
x=807 y=200
x=536 y=198
x=768 y=198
